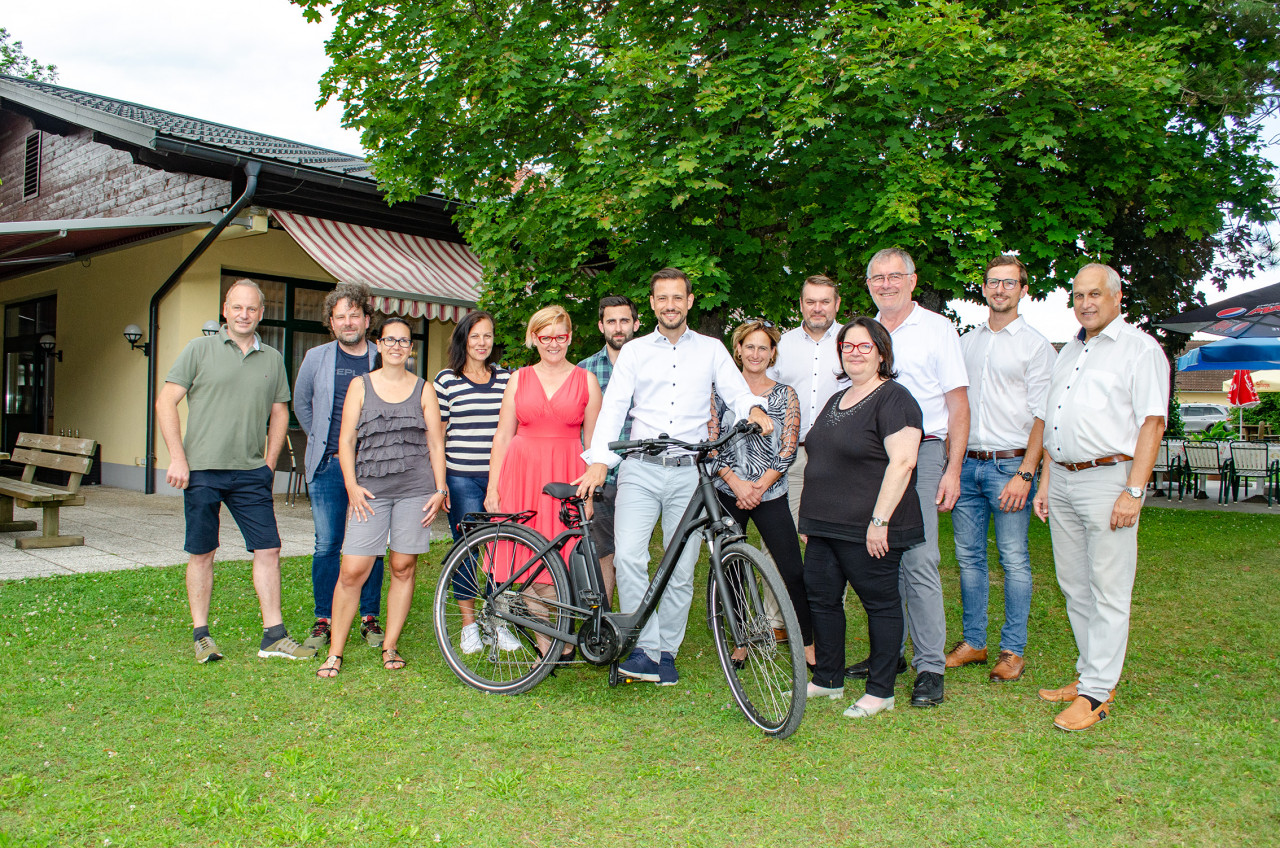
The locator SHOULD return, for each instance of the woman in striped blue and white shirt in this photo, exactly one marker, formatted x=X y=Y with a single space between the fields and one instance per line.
x=470 y=392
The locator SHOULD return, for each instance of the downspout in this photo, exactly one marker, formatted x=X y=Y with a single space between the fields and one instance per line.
x=251 y=170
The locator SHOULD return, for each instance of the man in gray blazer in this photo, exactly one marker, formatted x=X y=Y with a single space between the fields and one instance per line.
x=318 y=397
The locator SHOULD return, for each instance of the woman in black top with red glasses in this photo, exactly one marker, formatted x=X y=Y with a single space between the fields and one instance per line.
x=860 y=511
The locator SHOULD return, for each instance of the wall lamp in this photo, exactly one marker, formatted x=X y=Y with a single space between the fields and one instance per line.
x=47 y=344
x=132 y=334
x=211 y=327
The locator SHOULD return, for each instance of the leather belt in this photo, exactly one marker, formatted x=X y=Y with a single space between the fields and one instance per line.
x=989 y=455
x=931 y=439
x=666 y=461
x=1114 y=459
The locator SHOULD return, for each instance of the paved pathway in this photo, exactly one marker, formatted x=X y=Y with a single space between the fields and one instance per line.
x=126 y=529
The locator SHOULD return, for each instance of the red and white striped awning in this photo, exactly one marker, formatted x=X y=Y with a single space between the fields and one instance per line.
x=410 y=275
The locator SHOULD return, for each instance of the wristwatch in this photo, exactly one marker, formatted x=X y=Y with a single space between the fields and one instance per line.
x=444 y=492
x=879 y=522
x=1135 y=491
x=1025 y=475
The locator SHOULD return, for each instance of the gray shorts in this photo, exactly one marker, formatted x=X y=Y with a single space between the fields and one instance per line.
x=400 y=519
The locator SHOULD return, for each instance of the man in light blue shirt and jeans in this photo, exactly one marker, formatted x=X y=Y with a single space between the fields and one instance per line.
x=318 y=397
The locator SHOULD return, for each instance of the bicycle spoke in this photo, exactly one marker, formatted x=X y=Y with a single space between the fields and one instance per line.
x=768 y=682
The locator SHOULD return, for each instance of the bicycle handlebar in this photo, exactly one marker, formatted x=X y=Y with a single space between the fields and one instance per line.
x=664 y=441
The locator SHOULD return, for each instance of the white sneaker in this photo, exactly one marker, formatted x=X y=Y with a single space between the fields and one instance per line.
x=507 y=640
x=471 y=643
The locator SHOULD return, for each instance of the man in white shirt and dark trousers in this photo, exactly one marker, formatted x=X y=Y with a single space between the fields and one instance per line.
x=665 y=380
x=926 y=353
x=1009 y=365
x=807 y=362
x=1104 y=418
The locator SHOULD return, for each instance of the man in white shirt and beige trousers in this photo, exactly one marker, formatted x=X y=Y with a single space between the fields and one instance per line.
x=1104 y=418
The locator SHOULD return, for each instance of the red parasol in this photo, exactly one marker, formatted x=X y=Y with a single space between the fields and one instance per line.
x=1242 y=392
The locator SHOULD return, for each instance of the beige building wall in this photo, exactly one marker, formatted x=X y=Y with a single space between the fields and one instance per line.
x=1203 y=397
x=100 y=387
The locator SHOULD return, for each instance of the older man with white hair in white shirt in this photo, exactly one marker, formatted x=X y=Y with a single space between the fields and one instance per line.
x=1104 y=418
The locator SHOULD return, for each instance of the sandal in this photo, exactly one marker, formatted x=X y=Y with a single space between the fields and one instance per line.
x=332 y=667
x=392 y=661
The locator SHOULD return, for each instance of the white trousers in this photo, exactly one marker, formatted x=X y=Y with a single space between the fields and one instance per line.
x=1096 y=567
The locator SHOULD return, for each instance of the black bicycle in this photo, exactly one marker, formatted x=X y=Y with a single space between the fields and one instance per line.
x=513 y=584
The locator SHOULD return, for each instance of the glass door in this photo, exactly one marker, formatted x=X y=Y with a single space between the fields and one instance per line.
x=28 y=370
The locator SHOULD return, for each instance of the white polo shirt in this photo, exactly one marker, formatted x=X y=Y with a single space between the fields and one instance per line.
x=929 y=362
x=1009 y=372
x=810 y=368
x=1102 y=391
x=667 y=388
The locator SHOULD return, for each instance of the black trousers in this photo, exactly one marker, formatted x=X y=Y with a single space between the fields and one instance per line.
x=829 y=564
x=778 y=530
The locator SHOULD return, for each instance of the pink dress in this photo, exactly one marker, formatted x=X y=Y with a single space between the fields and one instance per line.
x=547 y=448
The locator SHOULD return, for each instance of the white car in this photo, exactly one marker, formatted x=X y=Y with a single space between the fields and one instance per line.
x=1201 y=416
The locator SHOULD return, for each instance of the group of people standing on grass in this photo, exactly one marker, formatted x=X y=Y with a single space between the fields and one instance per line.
x=868 y=430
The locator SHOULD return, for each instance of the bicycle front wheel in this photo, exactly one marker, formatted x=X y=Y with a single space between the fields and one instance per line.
x=765 y=663
x=482 y=648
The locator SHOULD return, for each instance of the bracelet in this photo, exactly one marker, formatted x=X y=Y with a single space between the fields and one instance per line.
x=444 y=492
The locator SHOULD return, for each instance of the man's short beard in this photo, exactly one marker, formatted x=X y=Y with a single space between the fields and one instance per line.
x=618 y=346
x=809 y=323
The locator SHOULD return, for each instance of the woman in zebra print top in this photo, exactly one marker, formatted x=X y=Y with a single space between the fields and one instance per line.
x=751 y=473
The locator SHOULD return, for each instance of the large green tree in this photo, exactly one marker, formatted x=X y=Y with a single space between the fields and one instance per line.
x=754 y=143
x=16 y=63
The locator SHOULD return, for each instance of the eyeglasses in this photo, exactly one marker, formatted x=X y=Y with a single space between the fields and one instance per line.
x=881 y=279
x=768 y=325
x=1007 y=285
x=392 y=341
x=558 y=339
x=863 y=348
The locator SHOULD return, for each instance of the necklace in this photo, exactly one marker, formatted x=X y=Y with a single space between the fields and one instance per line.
x=838 y=414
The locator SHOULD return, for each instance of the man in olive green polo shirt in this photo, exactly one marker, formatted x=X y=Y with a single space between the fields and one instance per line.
x=236 y=389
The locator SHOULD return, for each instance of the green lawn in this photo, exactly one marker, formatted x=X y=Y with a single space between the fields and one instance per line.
x=110 y=734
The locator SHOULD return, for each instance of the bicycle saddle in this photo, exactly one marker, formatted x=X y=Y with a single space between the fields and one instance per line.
x=560 y=491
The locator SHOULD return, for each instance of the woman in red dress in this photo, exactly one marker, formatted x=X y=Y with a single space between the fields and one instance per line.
x=548 y=413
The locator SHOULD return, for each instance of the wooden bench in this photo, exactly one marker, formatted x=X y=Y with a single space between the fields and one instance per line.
x=33 y=451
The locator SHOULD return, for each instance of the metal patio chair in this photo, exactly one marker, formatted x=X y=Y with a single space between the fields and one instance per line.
x=1202 y=460
x=1250 y=461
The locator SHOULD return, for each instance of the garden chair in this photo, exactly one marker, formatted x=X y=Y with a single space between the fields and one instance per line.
x=1249 y=461
x=1168 y=463
x=1203 y=459
x=297 y=449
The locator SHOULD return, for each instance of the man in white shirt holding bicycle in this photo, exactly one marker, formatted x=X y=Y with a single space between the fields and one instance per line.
x=665 y=380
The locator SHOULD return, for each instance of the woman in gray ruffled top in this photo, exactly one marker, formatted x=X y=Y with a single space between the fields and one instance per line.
x=391 y=449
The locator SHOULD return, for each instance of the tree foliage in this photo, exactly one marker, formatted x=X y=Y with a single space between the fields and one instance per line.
x=755 y=143
x=16 y=63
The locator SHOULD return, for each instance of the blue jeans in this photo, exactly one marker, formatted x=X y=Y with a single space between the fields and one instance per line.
x=329 y=510
x=466 y=494
x=981 y=482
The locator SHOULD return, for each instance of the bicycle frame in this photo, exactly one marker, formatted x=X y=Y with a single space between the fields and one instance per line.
x=703 y=515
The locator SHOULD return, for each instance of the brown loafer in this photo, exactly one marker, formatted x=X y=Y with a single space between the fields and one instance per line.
x=964 y=654
x=779 y=635
x=1067 y=693
x=1081 y=715
x=1009 y=667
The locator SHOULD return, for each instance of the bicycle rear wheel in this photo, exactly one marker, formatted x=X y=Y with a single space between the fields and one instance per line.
x=499 y=656
x=768 y=677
